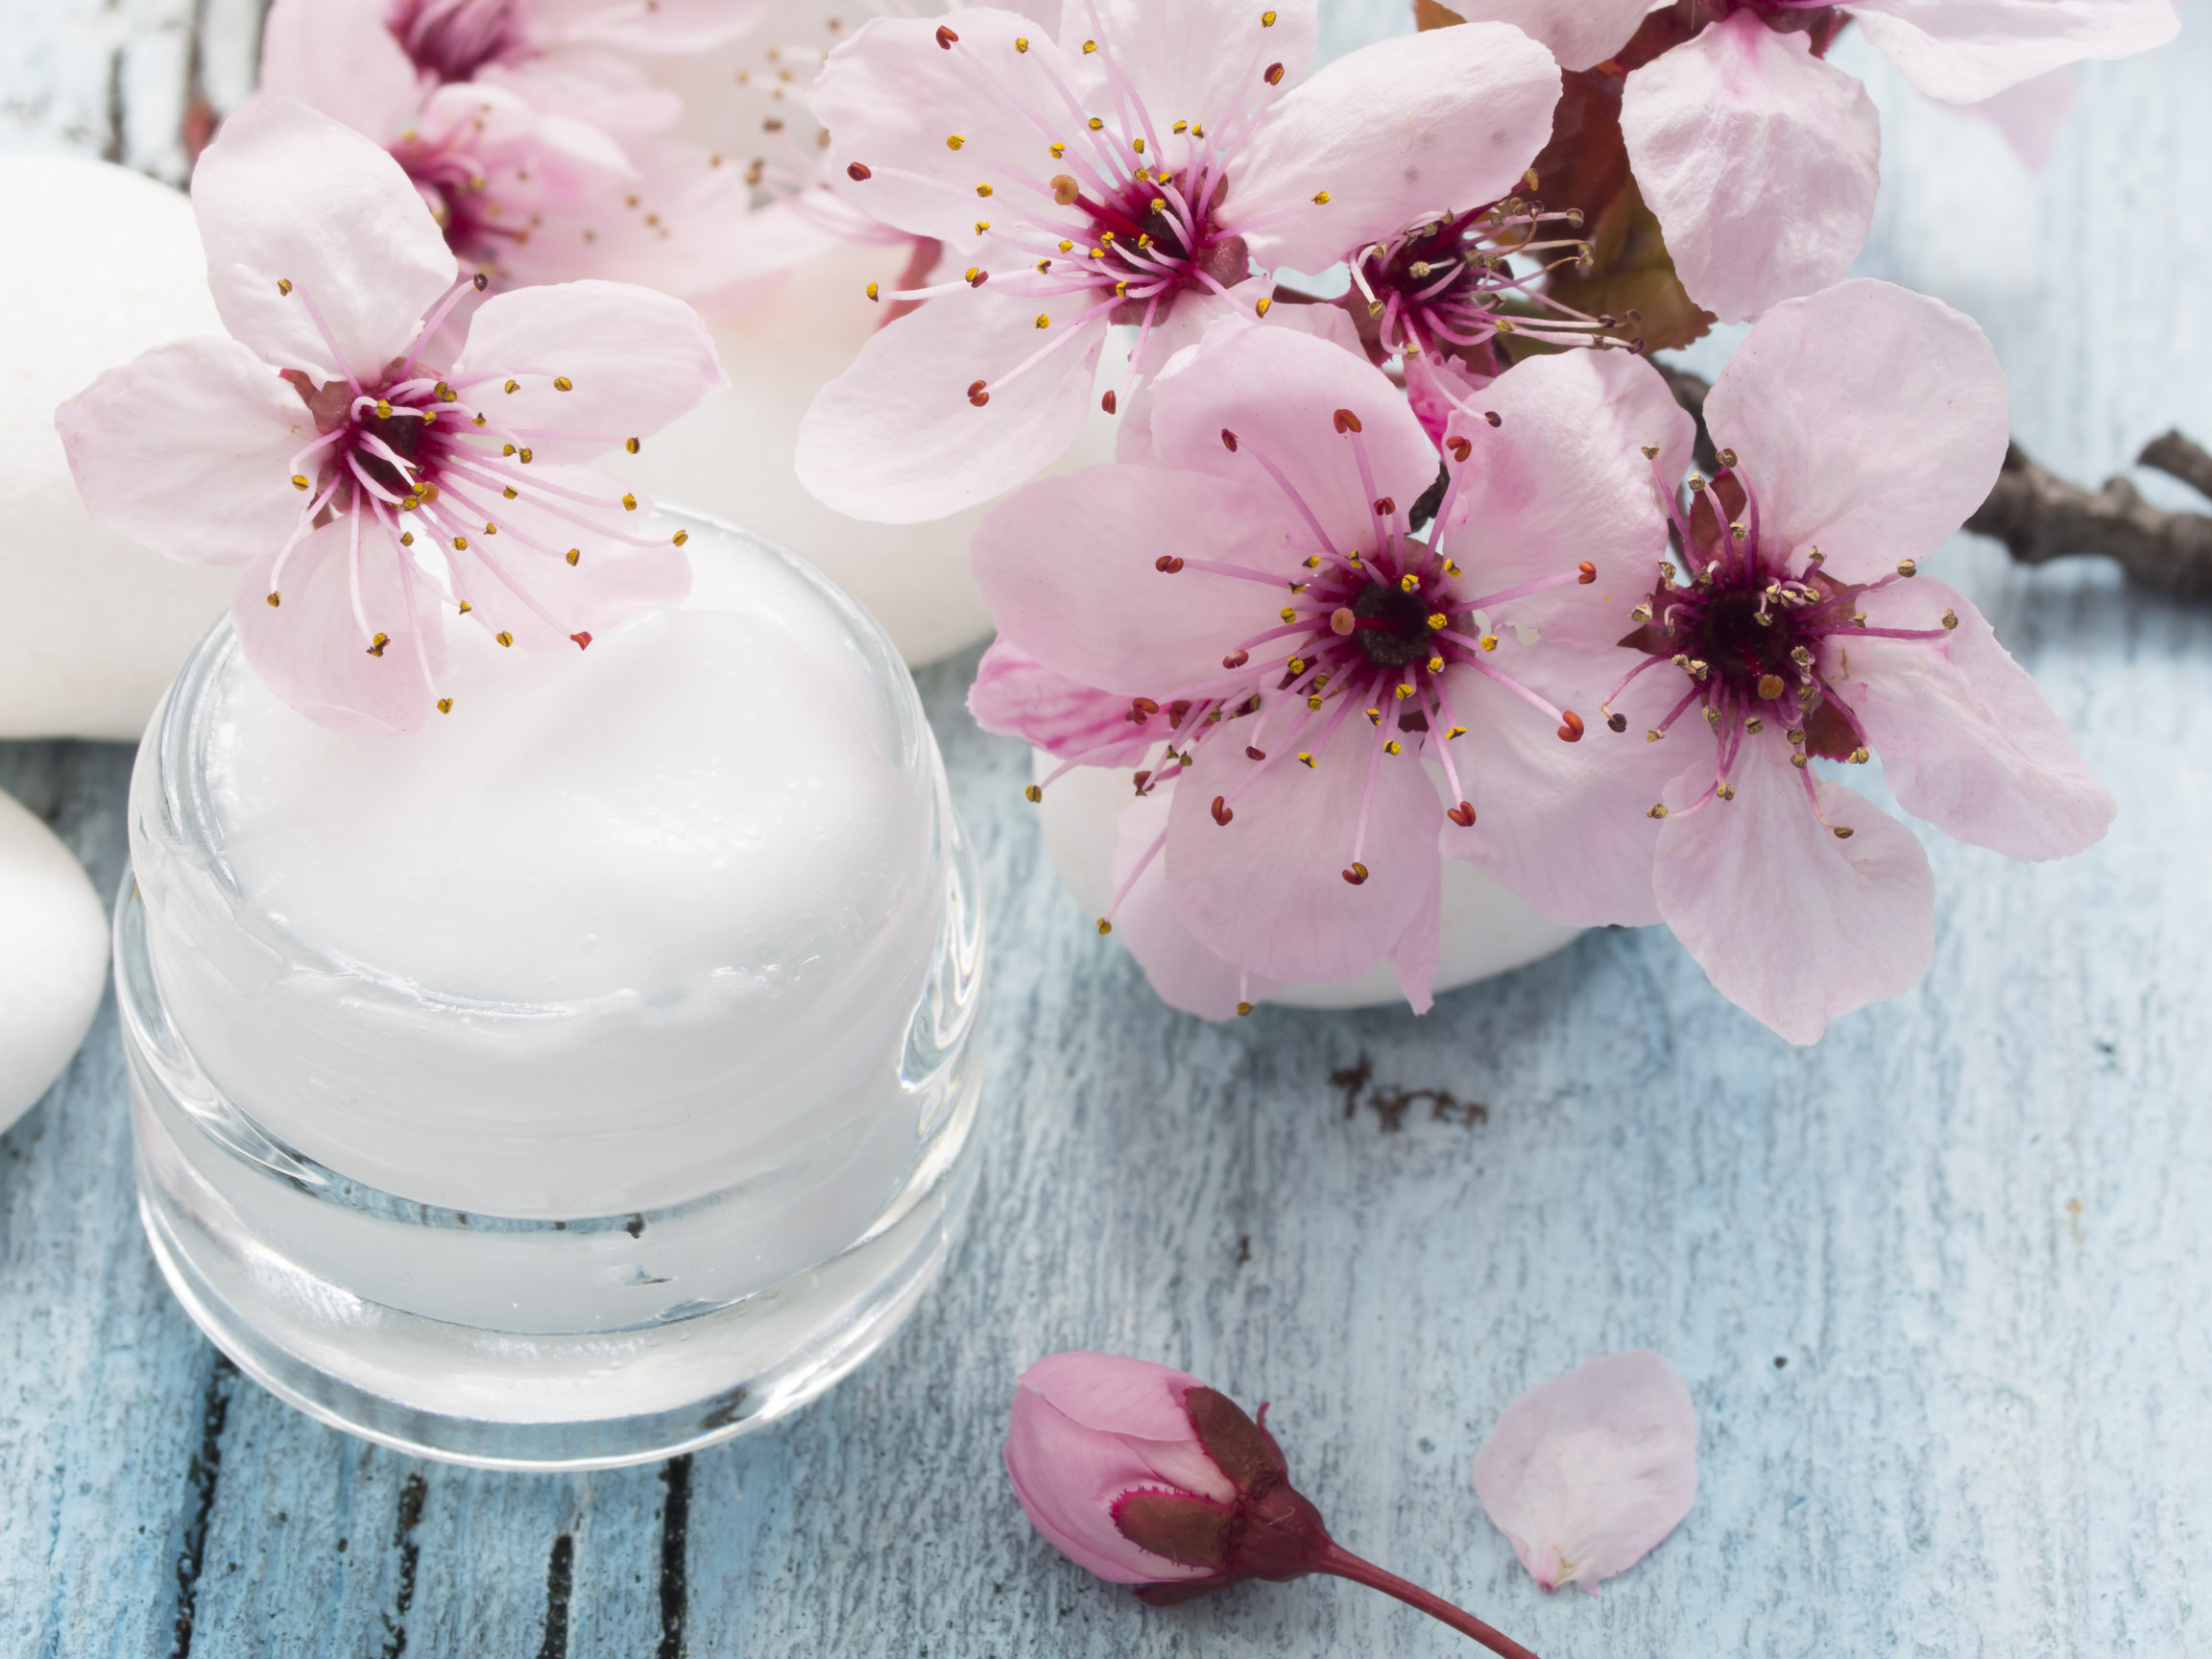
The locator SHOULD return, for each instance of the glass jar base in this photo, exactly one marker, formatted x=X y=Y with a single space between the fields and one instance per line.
x=507 y=1400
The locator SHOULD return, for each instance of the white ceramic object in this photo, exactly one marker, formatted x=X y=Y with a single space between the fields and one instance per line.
x=102 y=264
x=53 y=957
x=1486 y=930
x=732 y=457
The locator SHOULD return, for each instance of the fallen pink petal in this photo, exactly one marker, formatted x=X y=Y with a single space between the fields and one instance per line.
x=1586 y=1473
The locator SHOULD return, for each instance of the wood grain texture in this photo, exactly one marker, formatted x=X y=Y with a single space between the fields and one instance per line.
x=1938 y=1286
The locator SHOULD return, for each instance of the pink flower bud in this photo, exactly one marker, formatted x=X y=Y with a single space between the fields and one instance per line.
x=1146 y=1477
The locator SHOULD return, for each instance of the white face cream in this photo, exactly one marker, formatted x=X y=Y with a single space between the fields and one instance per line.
x=643 y=930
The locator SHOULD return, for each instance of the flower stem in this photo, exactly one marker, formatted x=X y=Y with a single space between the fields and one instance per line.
x=1341 y=1562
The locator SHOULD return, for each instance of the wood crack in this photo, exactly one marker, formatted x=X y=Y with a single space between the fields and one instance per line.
x=559 y=1586
x=412 y=1492
x=674 y=1531
x=201 y=1476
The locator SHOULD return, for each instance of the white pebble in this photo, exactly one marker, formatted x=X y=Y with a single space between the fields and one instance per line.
x=53 y=957
x=102 y=264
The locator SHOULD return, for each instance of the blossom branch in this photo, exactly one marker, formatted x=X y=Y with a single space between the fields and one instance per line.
x=2040 y=517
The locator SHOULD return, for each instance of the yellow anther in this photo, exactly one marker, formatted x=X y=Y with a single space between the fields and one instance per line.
x=1313 y=562
x=1321 y=199
x=1260 y=306
x=954 y=141
x=524 y=457
x=1950 y=618
x=1404 y=691
x=1435 y=664
x=1058 y=150
x=1859 y=757
x=630 y=445
x=406 y=538
x=1244 y=1008
x=1450 y=569
x=680 y=537
x=460 y=543
x=1044 y=264
x=445 y=704
x=1391 y=746
x=561 y=383
x=1304 y=757
x=1182 y=127
x=1104 y=926
x=1097 y=125
x=490 y=528
x=514 y=386
x=509 y=493
x=1456 y=732
x=1409 y=582
x=383 y=410
x=299 y=481
x=1159 y=204
x=1044 y=320
x=1489 y=642
x=1066 y=247
x=1726 y=791
x=1657 y=811
x=629 y=503
x=982 y=189
x=1020 y=42
x=1090 y=46
x=1437 y=619
x=971 y=274
x=504 y=637
x=1120 y=288
x=573 y=554
x=1314 y=703
x=1288 y=614
x=284 y=284
x=1296 y=665
x=274 y=599
x=1267 y=19
x=981 y=226
x=875 y=294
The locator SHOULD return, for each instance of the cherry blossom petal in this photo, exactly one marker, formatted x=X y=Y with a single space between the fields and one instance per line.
x=1191 y=61
x=188 y=450
x=2033 y=115
x=896 y=439
x=633 y=360
x=311 y=649
x=1017 y=695
x=1183 y=971
x=1268 y=889
x=1871 y=421
x=893 y=100
x=1963 y=51
x=1579 y=32
x=1068 y=1475
x=519 y=580
x=655 y=26
x=368 y=260
x=1791 y=923
x=1588 y=1472
x=1561 y=479
x=1278 y=391
x=1567 y=825
x=1419 y=951
x=1393 y=131
x=339 y=57
x=1138 y=1401
x=1760 y=160
x=1067 y=569
x=1966 y=740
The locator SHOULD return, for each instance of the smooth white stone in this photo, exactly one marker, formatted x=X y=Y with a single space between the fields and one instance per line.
x=1486 y=930
x=53 y=957
x=732 y=457
x=102 y=264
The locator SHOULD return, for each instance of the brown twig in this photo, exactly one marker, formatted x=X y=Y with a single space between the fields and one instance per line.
x=2040 y=517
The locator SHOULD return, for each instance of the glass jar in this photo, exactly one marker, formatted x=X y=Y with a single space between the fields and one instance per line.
x=575 y=1088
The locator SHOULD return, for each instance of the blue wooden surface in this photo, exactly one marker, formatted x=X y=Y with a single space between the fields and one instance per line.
x=1938 y=1286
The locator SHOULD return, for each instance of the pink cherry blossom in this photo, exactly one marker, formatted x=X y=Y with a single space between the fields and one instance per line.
x=1859 y=428
x=1143 y=1475
x=1334 y=691
x=1146 y=168
x=544 y=156
x=1759 y=157
x=319 y=447
x=1588 y=1472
